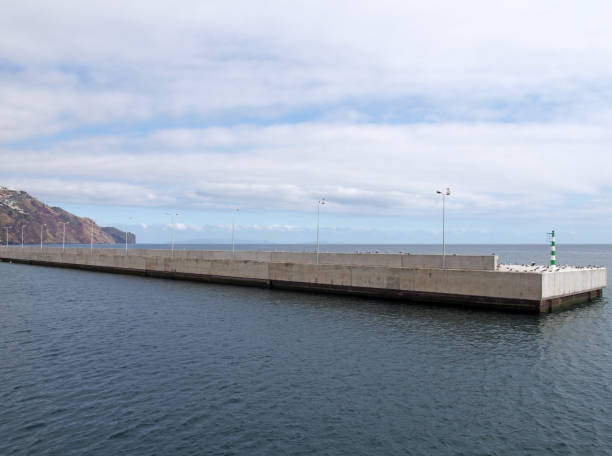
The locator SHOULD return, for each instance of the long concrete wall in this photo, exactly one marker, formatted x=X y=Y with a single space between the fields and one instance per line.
x=398 y=260
x=485 y=288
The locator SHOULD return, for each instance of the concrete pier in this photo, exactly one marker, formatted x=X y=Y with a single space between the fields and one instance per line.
x=474 y=281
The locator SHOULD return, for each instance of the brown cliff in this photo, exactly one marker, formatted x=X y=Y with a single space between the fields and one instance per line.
x=20 y=210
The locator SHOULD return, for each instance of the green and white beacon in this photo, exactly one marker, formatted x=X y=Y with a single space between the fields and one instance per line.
x=553 y=249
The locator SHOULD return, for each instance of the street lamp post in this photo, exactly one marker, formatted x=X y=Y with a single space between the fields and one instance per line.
x=444 y=194
x=126 y=236
x=6 y=228
x=41 y=233
x=233 y=233
x=172 y=214
x=319 y=204
x=22 y=236
x=64 y=235
x=91 y=239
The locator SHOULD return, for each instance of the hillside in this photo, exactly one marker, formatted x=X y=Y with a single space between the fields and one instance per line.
x=18 y=209
x=118 y=235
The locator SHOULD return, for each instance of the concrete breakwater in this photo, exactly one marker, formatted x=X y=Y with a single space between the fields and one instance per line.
x=475 y=281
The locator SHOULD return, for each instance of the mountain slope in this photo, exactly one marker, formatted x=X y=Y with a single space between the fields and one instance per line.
x=19 y=210
x=118 y=235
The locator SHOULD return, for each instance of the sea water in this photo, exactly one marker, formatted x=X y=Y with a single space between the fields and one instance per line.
x=104 y=364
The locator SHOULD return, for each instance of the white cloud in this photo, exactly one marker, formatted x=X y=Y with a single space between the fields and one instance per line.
x=272 y=227
x=139 y=61
x=178 y=226
x=32 y=108
x=105 y=191
x=507 y=103
x=371 y=168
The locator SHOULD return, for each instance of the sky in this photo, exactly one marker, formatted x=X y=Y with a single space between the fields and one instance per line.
x=127 y=111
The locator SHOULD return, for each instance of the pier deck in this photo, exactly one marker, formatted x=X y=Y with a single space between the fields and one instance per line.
x=473 y=281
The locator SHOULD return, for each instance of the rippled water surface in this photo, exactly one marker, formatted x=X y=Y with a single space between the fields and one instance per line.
x=103 y=364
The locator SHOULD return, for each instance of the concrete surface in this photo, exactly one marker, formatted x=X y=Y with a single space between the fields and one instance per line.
x=399 y=276
x=471 y=262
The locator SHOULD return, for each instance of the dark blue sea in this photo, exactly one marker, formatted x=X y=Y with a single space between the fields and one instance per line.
x=104 y=364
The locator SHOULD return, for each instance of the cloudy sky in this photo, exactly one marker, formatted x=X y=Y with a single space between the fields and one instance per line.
x=133 y=109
